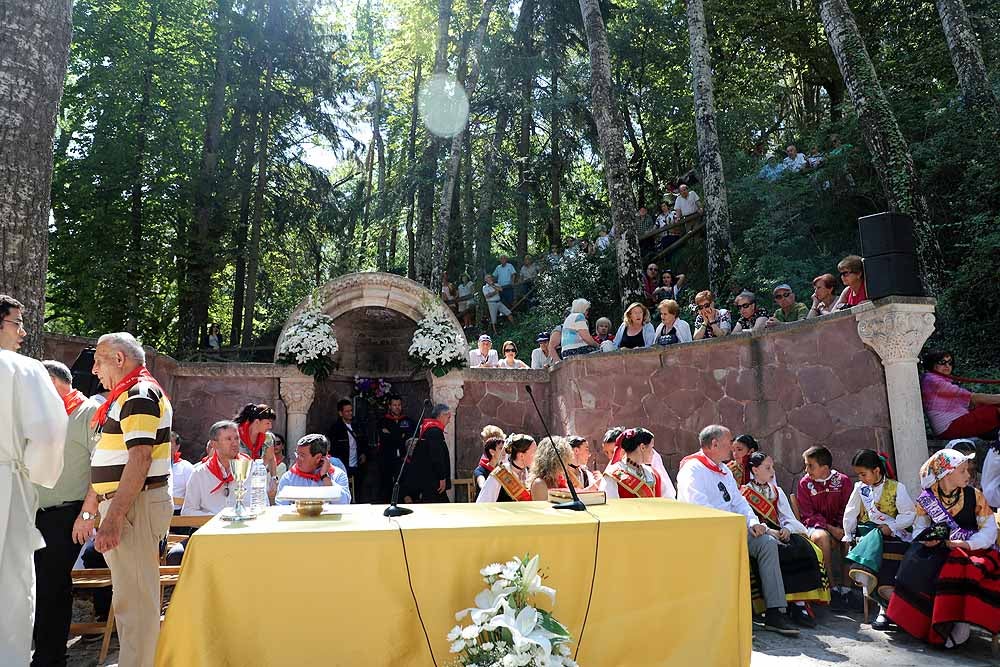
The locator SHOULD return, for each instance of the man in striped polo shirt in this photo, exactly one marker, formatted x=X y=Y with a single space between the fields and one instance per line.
x=129 y=472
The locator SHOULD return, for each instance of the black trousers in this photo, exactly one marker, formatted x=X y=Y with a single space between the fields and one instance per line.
x=54 y=583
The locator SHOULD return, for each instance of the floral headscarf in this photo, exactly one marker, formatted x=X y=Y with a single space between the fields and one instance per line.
x=941 y=464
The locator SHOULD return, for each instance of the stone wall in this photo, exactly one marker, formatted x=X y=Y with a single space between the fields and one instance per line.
x=791 y=387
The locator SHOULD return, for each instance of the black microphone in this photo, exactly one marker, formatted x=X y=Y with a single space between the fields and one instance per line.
x=393 y=509
x=576 y=504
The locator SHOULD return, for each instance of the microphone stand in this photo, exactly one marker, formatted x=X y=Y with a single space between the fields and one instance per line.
x=576 y=504
x=393 y=509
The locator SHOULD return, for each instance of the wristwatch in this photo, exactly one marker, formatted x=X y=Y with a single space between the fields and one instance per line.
x=87 y=516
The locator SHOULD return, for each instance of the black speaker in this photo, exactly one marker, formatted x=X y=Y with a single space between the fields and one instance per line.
x=889 y=248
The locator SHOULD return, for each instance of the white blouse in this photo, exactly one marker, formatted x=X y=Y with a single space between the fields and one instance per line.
x=906 y=510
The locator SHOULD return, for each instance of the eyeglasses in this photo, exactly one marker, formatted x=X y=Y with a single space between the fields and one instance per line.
x=946 y=362
x=704 y=306
x=783 y=295
x=18 y=323
x=741 y=306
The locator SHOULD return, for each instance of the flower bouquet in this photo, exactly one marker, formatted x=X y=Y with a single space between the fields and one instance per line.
x=505 y=629
x=373 y=390
x=436 y=345
x=310 y=343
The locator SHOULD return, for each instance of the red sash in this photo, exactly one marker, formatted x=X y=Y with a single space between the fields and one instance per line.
x=764 y=508
x=484 y=461
x=704 y=460
x=224 y=476
x=72 y=400
x=256 y=448
x=633 y=486
x=140 y=374
x=430 y=423
x=511 y=484
x=304 y=475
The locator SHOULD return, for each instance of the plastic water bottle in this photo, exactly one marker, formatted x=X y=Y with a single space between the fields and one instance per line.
x=258 y=488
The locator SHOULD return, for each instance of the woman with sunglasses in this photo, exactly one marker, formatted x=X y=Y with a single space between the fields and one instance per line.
x=509 y=480
x=711 y=322
x=510 y=360
x=852 y=274
x=954 y=411
x=752 y=317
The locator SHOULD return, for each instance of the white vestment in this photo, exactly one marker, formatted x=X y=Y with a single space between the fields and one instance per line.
x=32 y=438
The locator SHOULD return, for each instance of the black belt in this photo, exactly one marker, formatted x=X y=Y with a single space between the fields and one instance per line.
x=61 y=506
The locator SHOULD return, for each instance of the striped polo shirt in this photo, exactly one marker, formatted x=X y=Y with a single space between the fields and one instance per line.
x=140 y=416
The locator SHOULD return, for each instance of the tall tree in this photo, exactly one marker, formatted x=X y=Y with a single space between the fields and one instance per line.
x=717 y=236
x=966 y=56
x=610 y=130
x=411 y=168
x=34 y=51
x=889 y=150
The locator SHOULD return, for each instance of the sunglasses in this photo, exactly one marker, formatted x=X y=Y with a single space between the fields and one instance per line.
x=509 y=349
x=845 y=273
x=652 y=269
x=783 y=295
x=704 y=306
x=946 y=362
x=741 y=306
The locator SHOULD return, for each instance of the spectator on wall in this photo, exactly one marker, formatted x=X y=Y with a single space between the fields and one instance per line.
x=483 y=356
x=540 y=355
x=672 y=328
x=636 y=330
x=510 y=360
x=789 y=310
x=852 y=273
x=752 y=317
x=823 y=297
x=576 y=338
x=711 y=322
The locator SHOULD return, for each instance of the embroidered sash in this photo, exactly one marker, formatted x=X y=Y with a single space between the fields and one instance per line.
x=764 y=508
x=938 y=514
x=511 y=484
x=634 y=486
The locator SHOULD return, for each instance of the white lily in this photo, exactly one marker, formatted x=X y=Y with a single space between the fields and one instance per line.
x=487 y=601
x=523 y=628
x=534 y=580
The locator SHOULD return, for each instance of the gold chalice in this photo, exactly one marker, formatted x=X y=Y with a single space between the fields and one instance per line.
x=241 y=471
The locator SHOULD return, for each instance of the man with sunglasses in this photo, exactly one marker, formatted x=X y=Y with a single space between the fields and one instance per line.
x=789 y=310
x=705 y=480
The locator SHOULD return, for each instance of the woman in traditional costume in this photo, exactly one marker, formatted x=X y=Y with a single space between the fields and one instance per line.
x=949 y=579
x=743 y=446
x=879 y=513
x=492 y=451
x=546 y=472
x=800 y=560
x=579 y=465
x=509 y=481
x=632 y=475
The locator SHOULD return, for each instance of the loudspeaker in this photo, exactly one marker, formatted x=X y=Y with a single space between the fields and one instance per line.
x=893 y=274
x=885 y=233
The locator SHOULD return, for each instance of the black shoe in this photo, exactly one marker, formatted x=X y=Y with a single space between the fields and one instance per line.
x=801 y=615
x=775 y=621
x=884 y=624
x=838 y=601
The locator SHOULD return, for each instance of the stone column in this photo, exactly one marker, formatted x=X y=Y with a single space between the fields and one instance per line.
x=449 y=391
x=897 y=328
x=297 y=393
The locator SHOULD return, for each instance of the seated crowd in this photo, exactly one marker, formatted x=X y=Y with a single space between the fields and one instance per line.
x=642 y=327
x=931 y=565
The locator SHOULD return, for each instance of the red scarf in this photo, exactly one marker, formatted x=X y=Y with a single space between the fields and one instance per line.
x=177 y=456
x=304 y=475
x=430 y=423
x=224 y=476
x=140 y=374
x=72 y=400
x=257 y=446
x=484 y=461
x=705 y=461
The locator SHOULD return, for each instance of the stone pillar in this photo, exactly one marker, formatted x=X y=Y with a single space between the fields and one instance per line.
x=297 y=394
x=449 y=390
x=897 y=328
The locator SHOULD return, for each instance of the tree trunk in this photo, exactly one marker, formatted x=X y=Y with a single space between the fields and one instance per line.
x=253 y=249
x=454 y=159
x=610 y=130
x=468 y=206
x=34 y=51
x=243 y=223
x=484 y=226
x=835 y=91
x=392 y=170
x=134 y=269
x=966 y=56
x=411 y=178
x=523 y=194
x=889 y=151
x=195 y=286
x=381 y=258
x=555 y=130
x=717 y=235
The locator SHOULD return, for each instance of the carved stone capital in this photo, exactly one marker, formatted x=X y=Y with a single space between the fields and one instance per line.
x=297 y=394
x=896 y=331
x=448 y=389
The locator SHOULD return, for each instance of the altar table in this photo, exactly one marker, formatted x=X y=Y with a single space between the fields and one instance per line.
x=639 y=583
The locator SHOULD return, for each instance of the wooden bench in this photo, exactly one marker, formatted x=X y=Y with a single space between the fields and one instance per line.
x=465 y=490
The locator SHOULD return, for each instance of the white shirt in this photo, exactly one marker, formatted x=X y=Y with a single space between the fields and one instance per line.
x=201 y=500
x=991 y=478
x=906 y=510
x=667 y=485
x=491 y=292
x=603 y=242
x=464 y=290
x=797 y=164
x=491 y=489
x=352 y=445
x=539 y=359
x=699 y=485
x=180 y=473
x=983 y=538
x=529 y=271
x=516 y=366
x=786 y=518
x=687 y=205
x=341 y=485
x=610 y=486
x=476 y=358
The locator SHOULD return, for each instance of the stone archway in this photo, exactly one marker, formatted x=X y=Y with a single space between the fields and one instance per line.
x=375 y=315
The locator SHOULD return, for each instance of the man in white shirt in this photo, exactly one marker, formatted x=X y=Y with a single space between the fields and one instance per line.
x=32 y=440
x=540 y=355
x=705 y=480
x=492 y=291
x=504 y=274
x=484 y=356
x=795 y=161
x=211 y=487
x=688 y=203
x=180 y=471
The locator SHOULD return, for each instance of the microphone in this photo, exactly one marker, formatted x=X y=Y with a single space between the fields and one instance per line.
x=576 y=504
x=393 y=509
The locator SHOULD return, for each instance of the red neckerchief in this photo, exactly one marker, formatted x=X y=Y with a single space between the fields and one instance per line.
x=216 y=469
x=140 y=374
x=72 y=400
x=304 y=475
x=257 y=446
x=705 y=461
x=177 y=456
x=430 y=423
x=484 y=461
x=393 y=417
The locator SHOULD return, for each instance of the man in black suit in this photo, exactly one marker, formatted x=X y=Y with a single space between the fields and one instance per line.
x=393 y=430
x=428 y=476
x=350 y=445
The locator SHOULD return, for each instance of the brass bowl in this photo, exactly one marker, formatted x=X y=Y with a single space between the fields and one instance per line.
x=309 y=507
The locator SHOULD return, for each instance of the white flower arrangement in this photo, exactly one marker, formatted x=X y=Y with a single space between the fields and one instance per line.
x=310 y=343
x=436 y=344
x=507 y=631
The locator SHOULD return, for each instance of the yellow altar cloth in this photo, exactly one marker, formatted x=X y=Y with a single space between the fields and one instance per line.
x=639 y=583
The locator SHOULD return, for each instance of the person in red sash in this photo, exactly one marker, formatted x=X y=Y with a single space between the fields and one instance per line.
x=427 y=477
x=509 y=481
x=546 y=472
x=211 y=488
x=609 y=445
x=256 y=441
x=313 y=467
x=800 y=560
x=633 y=476
x=743 y=446
x=492 y=451
x=705 y=480
x=949 y=579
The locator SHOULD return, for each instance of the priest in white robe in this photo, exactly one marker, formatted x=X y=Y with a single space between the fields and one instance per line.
x=32 y=435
